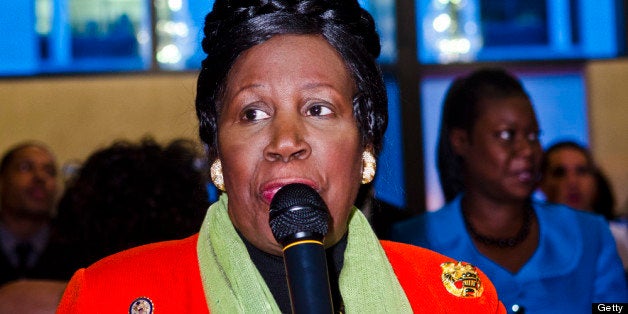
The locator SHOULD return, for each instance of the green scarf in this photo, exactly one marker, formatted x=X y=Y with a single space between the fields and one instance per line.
x=232 y=283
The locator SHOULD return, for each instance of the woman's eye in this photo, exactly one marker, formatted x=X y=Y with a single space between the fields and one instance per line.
x=533 y=136
x=506 y=135
x=254 y=115
x=584 y=170
x=318 y=110
x=558 y=172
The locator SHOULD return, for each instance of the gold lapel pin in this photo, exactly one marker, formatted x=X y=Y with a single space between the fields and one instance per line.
x=461 y=279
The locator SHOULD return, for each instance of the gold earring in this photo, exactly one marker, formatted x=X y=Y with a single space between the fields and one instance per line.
x=368 y=167
x=215 y=173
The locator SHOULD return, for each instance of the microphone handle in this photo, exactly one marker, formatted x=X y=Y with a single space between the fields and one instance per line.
x=308 y=280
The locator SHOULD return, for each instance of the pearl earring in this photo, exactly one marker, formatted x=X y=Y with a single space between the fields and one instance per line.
x=215 y=173
x=368 y=167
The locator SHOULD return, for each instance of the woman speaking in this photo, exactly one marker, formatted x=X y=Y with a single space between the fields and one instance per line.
x=289 y=93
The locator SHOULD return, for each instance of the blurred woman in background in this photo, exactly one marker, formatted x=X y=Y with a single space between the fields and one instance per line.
x=571 y=177
x=542 y=258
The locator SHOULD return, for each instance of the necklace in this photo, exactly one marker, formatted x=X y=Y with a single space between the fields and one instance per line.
x=502 y=242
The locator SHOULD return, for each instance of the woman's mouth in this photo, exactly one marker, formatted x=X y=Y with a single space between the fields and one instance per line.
x=574 y=200
x=270 y=188
x=268 y=194
x=525 y=176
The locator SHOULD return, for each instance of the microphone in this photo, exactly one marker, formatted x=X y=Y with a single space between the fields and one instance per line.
x=298 y=219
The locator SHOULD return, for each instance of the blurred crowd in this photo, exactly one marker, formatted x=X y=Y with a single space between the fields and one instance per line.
x=123 y=195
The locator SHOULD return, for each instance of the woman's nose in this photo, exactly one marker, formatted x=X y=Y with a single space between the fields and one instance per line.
x=288 y=140
x=571 y=178
x=526 y=148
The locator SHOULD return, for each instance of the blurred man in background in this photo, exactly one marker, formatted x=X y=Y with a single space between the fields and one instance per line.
x=28 y=192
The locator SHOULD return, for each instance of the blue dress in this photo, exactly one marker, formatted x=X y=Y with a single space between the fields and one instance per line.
x=575 y=264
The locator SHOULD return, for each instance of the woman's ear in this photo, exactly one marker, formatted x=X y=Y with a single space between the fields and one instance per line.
x=459 y=139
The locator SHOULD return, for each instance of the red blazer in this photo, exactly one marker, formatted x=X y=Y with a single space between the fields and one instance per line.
x=167 y=273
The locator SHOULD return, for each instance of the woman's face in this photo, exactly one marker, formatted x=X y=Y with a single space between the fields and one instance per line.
x=287 y=117
x=569 y=179
x=502 y=152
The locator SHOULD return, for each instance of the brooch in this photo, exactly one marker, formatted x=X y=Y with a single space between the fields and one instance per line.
x=461 y=279
x=141 y=305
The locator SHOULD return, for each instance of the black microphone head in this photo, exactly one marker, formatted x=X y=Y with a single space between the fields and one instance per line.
x=298 y=212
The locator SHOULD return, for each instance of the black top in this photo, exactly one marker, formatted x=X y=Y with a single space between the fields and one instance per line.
x=272 y=269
